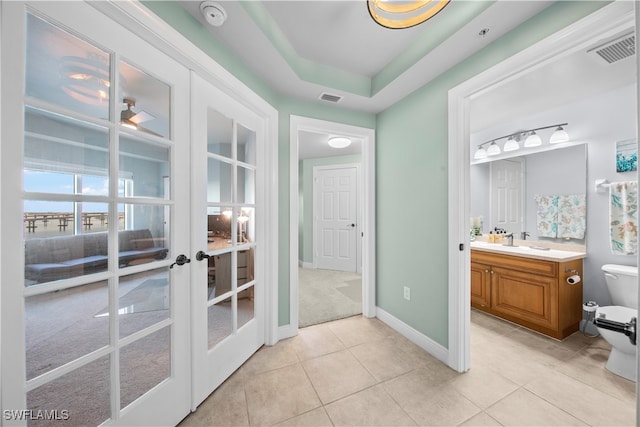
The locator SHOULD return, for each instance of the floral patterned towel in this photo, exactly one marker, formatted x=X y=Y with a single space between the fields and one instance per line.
x=623 y=212
x=547 y=216
x=572 y=216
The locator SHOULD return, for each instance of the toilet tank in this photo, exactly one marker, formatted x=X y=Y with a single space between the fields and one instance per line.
x=622 y=282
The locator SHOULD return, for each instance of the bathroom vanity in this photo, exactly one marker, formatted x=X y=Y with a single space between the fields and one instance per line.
x=528 y=286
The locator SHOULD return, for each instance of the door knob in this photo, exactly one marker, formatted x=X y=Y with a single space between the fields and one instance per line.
x=180 y=260
x=201 y=255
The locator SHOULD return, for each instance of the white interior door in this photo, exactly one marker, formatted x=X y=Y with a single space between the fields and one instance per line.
x=507 y=200
x=228 y=185
x=95 y=322
x=335 y=217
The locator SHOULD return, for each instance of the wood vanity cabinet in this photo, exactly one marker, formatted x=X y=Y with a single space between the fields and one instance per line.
x=530 y=292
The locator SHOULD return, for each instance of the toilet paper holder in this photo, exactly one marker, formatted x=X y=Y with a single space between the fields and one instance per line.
x=574 y=278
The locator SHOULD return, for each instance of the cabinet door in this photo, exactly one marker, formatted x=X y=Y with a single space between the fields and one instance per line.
x=525 y=296
x=480 y=285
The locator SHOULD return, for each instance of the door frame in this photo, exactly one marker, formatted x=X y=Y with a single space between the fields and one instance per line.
x=604 y=22
x=300 y=123
x=358 y=241
x=136 y=17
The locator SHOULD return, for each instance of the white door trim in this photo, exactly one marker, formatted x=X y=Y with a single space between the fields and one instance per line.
x=136 y=17
x=606 y=21
x=358 y=235
x=298 y=123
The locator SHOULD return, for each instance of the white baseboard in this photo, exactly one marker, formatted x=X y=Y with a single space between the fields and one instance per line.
x=305 y=264
x=419 y=339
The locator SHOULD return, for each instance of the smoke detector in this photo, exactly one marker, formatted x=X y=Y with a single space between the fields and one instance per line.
x=213 y=13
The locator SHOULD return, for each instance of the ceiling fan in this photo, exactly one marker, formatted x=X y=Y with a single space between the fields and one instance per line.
x=132 y=120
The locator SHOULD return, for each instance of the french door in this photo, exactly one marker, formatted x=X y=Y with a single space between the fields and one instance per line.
x=228 y=187
x=94 y=160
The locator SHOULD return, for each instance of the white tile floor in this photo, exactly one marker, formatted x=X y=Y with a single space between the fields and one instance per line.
x=359 y=372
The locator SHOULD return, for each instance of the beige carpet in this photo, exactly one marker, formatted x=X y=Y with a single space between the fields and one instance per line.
x=326 y=295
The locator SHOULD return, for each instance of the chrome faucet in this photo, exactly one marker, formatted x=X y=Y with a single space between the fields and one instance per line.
x=509 y=239
x=524 y=235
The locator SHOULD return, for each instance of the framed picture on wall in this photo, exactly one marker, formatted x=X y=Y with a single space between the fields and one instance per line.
x=627 y=155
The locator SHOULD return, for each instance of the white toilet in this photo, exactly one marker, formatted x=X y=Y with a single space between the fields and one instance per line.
x=622 y=283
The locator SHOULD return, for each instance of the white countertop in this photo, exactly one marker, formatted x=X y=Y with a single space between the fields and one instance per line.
x=528 y=252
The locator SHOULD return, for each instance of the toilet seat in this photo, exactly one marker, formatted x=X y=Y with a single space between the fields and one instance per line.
x=617 y=313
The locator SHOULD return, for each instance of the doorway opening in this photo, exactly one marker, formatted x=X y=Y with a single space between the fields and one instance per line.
x=332 y=235
x=603 y=24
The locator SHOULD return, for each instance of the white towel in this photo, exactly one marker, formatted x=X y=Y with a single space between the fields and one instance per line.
x=623 y=213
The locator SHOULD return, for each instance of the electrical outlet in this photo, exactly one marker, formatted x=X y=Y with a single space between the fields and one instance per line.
x=407 y=293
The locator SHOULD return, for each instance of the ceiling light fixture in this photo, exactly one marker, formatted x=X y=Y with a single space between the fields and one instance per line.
x=339 y=142
x=85 y=79
x=403 y=14
x=513 y=141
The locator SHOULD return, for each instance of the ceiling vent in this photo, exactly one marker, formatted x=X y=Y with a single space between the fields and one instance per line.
x=617 y=49
x=324 y=96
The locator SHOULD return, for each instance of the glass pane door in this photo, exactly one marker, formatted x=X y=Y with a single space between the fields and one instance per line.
x=229 y=292
x=102 y=331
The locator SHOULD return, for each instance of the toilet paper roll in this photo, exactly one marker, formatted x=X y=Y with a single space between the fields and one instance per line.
x=572 y=280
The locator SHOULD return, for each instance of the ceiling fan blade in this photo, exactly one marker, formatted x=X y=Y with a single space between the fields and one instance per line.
x=141 y=117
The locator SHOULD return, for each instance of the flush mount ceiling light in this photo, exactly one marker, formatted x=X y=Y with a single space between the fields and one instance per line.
x=339 y=142
x=513 y=141
x=398 y=14
x=213 y=13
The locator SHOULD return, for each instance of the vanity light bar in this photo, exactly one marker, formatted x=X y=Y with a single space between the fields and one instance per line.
x=533 y=139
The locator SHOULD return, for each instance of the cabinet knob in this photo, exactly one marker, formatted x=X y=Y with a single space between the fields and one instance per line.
x=486 y=271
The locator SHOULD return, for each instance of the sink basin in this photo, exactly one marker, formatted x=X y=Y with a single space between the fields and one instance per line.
x=531 y=251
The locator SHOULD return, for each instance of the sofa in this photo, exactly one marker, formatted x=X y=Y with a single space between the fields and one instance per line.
x=61 y=257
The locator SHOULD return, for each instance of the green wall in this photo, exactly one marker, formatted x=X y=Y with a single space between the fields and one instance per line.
x=411 y=166
x=411 y=178
x=305 y=198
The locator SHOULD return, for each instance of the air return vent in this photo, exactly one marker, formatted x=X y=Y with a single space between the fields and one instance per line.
x=324 y=96
x=615 y=50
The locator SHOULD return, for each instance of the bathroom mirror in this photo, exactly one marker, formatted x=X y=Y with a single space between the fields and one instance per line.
x=508 y=200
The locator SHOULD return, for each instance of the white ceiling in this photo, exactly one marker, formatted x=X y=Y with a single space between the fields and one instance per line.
x=340 y=34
